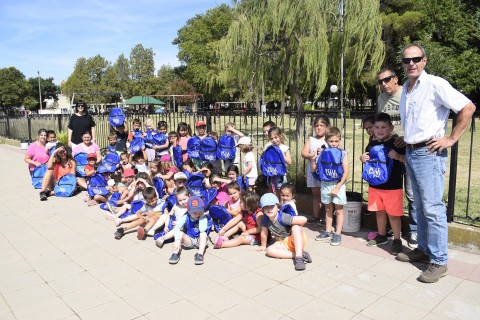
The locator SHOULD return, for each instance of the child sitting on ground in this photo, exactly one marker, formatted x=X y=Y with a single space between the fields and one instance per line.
x=169 y=220
x=145 y=217
x=285 y=231
x=249 y=222
x=192 y=230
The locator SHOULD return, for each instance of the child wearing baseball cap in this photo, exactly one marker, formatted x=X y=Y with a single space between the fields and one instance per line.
x=192 y=230
x=285 y=232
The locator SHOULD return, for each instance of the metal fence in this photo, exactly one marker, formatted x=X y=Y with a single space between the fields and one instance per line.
x=462 y=177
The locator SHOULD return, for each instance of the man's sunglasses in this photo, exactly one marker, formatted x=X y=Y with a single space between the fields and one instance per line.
x=414 y=59
x=386 y=80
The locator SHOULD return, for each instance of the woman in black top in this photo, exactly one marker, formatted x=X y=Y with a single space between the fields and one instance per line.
x=80 y=122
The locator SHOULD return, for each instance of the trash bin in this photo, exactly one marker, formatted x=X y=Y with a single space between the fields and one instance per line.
x=24 y=144
x=352 y=212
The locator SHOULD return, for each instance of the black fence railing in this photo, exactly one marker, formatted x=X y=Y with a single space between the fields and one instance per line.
x=462 y=177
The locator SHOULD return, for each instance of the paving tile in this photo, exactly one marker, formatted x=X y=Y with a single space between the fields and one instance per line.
x=4 y=308
x=320 y=309
x=59 y=269
x=460 y=269
x=22 y=298
x=19 y=281
x=250 y=284
x=117 y=309
x=152 y=298
x=373 y=282
x=350 y=297
x=279 y=270
x=7 y=316
x=219 y=299
x=417 y=295
x=474 y=275
x=359 y=259
x=275 y=298
x=53 y=308
x=250 y=309
x=458 y=307
x=312 y=283
x=14 y=267
x=110 y=272
x=337 y=270
x=88 y=297
x=394 y=269
x=392 y=309
x=182 y=309
x=73 y=283
x=185 y=282
x=129 y=283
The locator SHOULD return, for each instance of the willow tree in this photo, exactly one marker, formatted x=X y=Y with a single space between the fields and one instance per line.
x=294 y=46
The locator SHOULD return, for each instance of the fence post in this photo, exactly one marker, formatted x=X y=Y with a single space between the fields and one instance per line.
x=59 y=117
x=29 y=125
x=8 y=126
x=452 y=181
x=209 y=122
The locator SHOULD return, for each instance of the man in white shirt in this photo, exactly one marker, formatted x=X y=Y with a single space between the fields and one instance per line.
x=425 y=105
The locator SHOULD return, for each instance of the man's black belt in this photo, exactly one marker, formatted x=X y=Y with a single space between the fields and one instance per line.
x=417 y=145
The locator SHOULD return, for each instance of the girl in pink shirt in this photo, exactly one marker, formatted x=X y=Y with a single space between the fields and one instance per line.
x=184 y=132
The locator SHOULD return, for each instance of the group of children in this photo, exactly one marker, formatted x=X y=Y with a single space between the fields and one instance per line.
x=152 y=189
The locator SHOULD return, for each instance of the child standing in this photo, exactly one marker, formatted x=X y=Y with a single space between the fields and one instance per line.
x=167 y=171
x=286 y=232
x=250 y=171
x=146 y=216
x=249 y=222
x=121 y=137
x=276 y=139
x=311 y=149
x=386 y=199
x=184 y=133
x=333 y=192
x=112 y=142
x=191 y=231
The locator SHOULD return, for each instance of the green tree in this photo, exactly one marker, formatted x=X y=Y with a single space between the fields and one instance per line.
x=197 y=43
x=294 y=47
x=49 y=90
x=14 y=88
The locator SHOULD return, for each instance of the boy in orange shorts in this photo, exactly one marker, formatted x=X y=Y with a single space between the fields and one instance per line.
x=285 y=231
x=386 y=198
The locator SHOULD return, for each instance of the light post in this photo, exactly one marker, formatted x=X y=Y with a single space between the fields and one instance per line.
x=39 y=90
x=333 y=92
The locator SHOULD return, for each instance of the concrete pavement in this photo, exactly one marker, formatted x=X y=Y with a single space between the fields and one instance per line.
x=59 y=260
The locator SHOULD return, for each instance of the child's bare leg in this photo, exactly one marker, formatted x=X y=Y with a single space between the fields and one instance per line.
x=82 y=183
x=100 y=199
x=297 y=237
x=339 y=214
x=279 y=251
x=152 y=219
x=396 y=224
x=381 y=222
x=235 y=242
x=47 y=182
x=159 y=222
x=328 y=217
x=202 y=242
x=137 y=222
x=232 y=230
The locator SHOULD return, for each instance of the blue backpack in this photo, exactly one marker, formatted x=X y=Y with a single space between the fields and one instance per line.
x=37 y=176
x=159 y=184
x=193 y=147
x=159 y=139
x=65 y=186
x=241 y=183
x=177 y=156
x=209 y=196
x=134 y=207
x=116 y=117
x=272 y=162
x=112 y=200
x=220 y=216
x=208 y=149
x=82 y=161
x=377 y=170
x=195 y=185
x=192 y=226
x=149 y=136
x=97 y=185
x=111 y=161
x=329 y=165
x=226 y=148
x=137 y=144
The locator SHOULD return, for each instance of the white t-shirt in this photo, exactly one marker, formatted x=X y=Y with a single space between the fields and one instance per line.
x=179 y=212
x=250 y=157
x=425 y=109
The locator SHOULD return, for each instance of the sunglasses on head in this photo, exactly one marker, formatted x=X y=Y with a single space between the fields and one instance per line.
x=386 y=80
x=414 y=59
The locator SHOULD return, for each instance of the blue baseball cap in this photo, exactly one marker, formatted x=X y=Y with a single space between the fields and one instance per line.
x=195 y=204
x=268 y=199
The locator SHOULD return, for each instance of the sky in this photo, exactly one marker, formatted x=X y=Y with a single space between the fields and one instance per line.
x=48 y=36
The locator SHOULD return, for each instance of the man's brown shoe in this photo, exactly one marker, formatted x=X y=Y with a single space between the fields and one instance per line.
x=433 y=273
x=413 y=256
